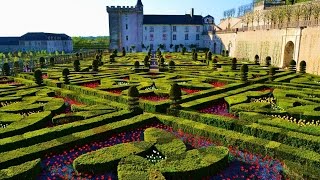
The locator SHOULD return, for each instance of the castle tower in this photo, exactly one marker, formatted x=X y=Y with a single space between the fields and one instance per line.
x=126 y=27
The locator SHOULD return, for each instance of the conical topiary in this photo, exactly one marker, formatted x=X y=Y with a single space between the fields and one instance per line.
x=172 y=65
x=292 y=66
x=268 y=61
x=133 y=99
x=52 y=61
x=175 y=95
x=42 y=62
x=146 y=61
x=234 y=64
x=65 y=74
x=303 y=67
x=95 y=65
x=272 y=72
x=209 y=55
x=214 y=63
x=244 y=72
x=256 y=59
x=38 y=76
x=6 y=69
x=76 y=65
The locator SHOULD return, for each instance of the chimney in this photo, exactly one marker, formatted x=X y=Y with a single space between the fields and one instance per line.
x=192 y=12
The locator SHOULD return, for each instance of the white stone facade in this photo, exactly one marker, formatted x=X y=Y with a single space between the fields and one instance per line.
x=131 y=29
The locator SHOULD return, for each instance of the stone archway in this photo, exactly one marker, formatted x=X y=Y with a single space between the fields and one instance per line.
x=288 y=54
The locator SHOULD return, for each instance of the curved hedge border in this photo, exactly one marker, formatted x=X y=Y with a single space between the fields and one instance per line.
x=107 y=159
x=27 y=170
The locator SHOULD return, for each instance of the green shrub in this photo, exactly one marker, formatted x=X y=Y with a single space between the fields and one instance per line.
x=76 y=65
x=65 y=74
x=234 y=64
x=38 y=77
x=292 y=66
x=42 y=62
x=272 y=72
x=95 y=65
x=244 y=72
x=6 y=69
x=133 y=99
x=209 y=55
x=52 y=61
x=123 y=51
x=175 y=95
x=256 y=59
x=146 y=61
x=184 y=50
x=303 y=66
x=27 y=170
x=268 y=61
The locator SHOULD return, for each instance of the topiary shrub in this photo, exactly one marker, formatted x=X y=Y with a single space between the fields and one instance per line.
x=65 y=74
x=146 y=61
x=268 y=61
x=184 y=50
x=172 y=65
x=256 y=59
x=133 y=99
x=209 y=55
x=123 y=51
x=234 y=64
x=223 y=53
x=149 y=53
x=115 y=53
x=6 y=69
x=227 y=53
x=214 y=63
x=136 y=66
x=195 y=56
x=76 y=65
x=162 y=61
x=272 y=72
x=175 y=96
x=159 y=52
x=292 y=66
x=303 y=67
x=112 y=58
x=95 y=65
x=52 y=61
x=244 y=72
x=42 y=62
x=38 y=76
x=16 y=67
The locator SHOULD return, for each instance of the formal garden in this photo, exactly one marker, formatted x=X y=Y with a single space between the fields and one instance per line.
x=156 y=115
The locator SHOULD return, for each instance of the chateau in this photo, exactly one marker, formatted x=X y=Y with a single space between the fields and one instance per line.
x=131 y=29
x=37 y=42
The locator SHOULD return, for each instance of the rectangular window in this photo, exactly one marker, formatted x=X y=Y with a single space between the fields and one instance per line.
x=186 y=37
x=174 y=37
x=186 y=29
x=198 y=37
x=151 y=29
x=164 y=37
x=198 y=28
x=127 y=38
x=174 y=28
x=151 y=37
x=164 y=29
x=126 y=26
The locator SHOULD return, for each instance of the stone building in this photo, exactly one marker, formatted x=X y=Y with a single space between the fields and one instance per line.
x=131 y=29
x=37 y=42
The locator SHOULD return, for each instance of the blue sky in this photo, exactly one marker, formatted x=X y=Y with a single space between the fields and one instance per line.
x=89 y=17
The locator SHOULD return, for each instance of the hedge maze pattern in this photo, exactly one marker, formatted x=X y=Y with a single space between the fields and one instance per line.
x=230 y=121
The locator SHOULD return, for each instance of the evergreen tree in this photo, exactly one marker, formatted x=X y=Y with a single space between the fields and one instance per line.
x=209 y=55
x=146 y=61
x=6 y=69
x=175 y=96
x=303 y=67
x=65 y=74
x=214 y=64
x=123 y=51
x=292 y=66
x=42 y=62
x=95 y=65
x=272 y=72
x=244 y=72
x=234 y=64
x=76 y=65
x=133 y=100
x=256 y=59
x=38 y=76
x=172 y=65
x=184 y=50
x=52 y=61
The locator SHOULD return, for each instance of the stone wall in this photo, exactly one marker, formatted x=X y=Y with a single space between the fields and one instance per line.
x=310 y=49
x=275 y=43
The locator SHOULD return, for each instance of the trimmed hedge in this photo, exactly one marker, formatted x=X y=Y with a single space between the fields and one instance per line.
x=30 y=123
x=46 y=134
x=244 y=142
x=14 y=157
x=26 y=171
x=107 y=159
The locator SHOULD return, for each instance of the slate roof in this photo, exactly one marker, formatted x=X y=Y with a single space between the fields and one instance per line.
x=173 y=19
x=9 y=41
x=40 y=36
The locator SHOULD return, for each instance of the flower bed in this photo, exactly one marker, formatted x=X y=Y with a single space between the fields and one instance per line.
x=190 y=91
x=217 y=84
x=91 y=84
x=243 y=165
x=114 y=91
x=218 y=108
x=153 y=97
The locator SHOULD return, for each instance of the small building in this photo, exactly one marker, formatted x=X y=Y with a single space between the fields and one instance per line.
x=37 y=41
